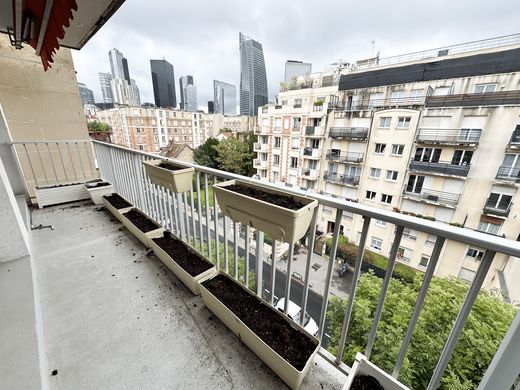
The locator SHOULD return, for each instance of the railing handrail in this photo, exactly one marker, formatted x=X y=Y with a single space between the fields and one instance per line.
x=498 y=244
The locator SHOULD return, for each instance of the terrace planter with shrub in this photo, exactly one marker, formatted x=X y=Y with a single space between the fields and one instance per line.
x=117 y=205
x=97 y=190
x=281 y=344
x=142 y=226
x=281 y=215
x=364 y=372
x=167 y=174
x=60 y=193
x=188 y=265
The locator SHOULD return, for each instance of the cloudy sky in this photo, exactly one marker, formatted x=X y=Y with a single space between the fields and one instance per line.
x=200 y=37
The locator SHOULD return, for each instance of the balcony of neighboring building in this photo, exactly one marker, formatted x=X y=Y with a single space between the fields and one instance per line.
x=344 y=157
x=474 y=99
x=260 y=147
x=427 y=195
x=343 y=179
x=514 y=141
x=260 y=164
x=351 y=133
x=443 y=168
x=499 y=205
x=311 y=174
x=314 y=131
x=466 y=137
x=312 y=153
x=508 y=174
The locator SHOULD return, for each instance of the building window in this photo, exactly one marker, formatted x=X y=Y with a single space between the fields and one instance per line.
x=391 y=175
x=403 y=122
x=276 y=176
x=376 y=243
x=475 y=254
x=415 y=184
x=410 y=234
x=384 y=122
x=404 y=254
x=276 y=142
x=485 y=88
x=278 y=124
x=427 y=154
x=294 y=162
x=416 y=95
x=499 y=201
x=370 y=195
x=489 y=227
x=141 y=147
x=380 y=148
x=397 y=150
x=313 y=164
x=380 y=222
x=467 y=274
x=138 y=130
x=297 y=103
x=424 y=261
x=430 y=240
x=385 y=198
x=297 y=122
x=295 y=143
x=284 y=102
x=276 y=160
x=374 y=173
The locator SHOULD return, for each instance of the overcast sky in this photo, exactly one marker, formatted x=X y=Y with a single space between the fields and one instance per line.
x=200 y=37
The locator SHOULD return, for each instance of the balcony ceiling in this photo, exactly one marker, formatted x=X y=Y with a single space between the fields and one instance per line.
x=47 y=25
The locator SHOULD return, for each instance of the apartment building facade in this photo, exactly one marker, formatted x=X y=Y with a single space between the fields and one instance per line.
x=436 y=138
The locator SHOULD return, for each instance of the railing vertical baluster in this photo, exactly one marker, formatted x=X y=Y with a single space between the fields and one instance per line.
x=474 y=289
x=72 y=161
x=41 y=163
x=181 y=216
x=384 y=291
x=135 y=162
x=215 y=220
x=176 y=215
x=170 y=209
x=146 y=189
x=419 y=303
x=92 y=170
x=273 y=272
x=332 y=259
x=226 y=259
x=115 y=179
x=52 y=162
x=192 y=209
x=353 y=287
x=288 y=281
x=259 y=269
x=186 y=215
x=247 y=256
x=236 y=236
x=62 y=163
x=30 y=165
x=312 y=235
x=80 y=162
x=206 y=196
x=124 y=167
x=199 y=213
x=164 y=210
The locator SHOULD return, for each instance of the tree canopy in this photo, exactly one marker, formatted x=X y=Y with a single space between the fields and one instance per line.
x=206 y=154
x=484 y=330
x=234 y=156
x=98 y=126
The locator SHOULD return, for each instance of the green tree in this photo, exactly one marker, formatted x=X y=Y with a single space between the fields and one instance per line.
x=482 y=334
x=98 y=126
x=234 y=156
x=206 y=154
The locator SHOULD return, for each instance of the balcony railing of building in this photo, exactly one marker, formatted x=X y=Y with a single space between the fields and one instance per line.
x=449 y=136
x=428 y=195
x=260 y=147
x=501 y=209
x=311 y=174
x=341 y=179
x=190 y=217
x=443 y=168
x=515 y=139
x=474 y=99
x=311 y=152
x=314 y=131
x=508 y=173
x=378 y=104
x=346 y=157
x=353 y=133
x=258 y=163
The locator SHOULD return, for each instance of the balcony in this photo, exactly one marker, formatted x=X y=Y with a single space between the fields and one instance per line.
x=314 y=131
x=432 y=196
x=311 y=153
x=474 y=99
x=378 y=104
x=104 y=294
x=260 y=129
x=500 y=209
x=514 y=142
x=260 y=164
x=344 y=157
x=341 y=179
x=509 y=174
x=260 y=147
x=466 y=137
x=311 y=174
x=440 y=168
x=351 y=133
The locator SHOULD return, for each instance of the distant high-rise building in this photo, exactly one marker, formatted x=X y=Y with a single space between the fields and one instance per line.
x=211 y=107
x=116 y=64
x=295 y=69
x=224 y=98
x=163 y=80
x=188 y=92
x=124 y=91
x=86 y=94
x=105 y=79
x=253 y=78
x=126 y=72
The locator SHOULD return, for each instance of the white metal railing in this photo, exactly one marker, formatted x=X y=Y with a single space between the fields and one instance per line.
x=192 y=218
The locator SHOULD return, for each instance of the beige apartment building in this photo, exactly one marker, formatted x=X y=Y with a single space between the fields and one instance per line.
x=435 y=135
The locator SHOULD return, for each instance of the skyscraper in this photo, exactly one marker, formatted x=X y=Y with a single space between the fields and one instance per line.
x=123 y=89
x=188 y=92
x=224 y=98
x=163 y=80
x=211 y=107
x=295 y=69
x=86 y=94
x=105 y=80
x=253 y=79
x=116 y=64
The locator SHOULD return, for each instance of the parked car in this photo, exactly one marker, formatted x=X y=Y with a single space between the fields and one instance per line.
x=294 y=314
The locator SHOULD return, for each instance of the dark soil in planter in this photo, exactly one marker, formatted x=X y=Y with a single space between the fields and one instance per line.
x=170 y=166
x=276 y=199
x=117 y=201
x=57 y=186
x=191 y=262
x=293 y=345
x=97 y=185
x=365 y=382
x=141 y=221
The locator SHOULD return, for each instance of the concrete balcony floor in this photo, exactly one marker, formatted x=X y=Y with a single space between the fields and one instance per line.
x=115 y=318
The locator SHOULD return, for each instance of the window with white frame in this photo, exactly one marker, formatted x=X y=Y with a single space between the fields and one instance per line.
x=485 y=88
x=380 y=223
x=404 y=254
x=297 y=122
x=370 y=195
x=430 y=240
x=374 y=173
x=376 y=243
x=295 y=143
x=276 y=160
x=277 y=142
x=276 y=176
x=380 y=148
x=278 y=124
x=475 y=254
x=403 y=122
x=385 y=198
x=410 y=234
x=384 y=122
x=425 y=259
x=416 y=95
x=397 y=149
x=294 y=162
x=467 y=274
x=391 y=175
x=489 y=227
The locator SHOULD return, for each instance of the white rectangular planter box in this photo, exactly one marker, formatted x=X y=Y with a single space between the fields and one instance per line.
x=47 y=196
x=118 y=213
x=362 y=366
x=192 y=282
x=289 y=374
x=177 y=181
x=145 y=238
x=279 y=222
x=97 y=193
